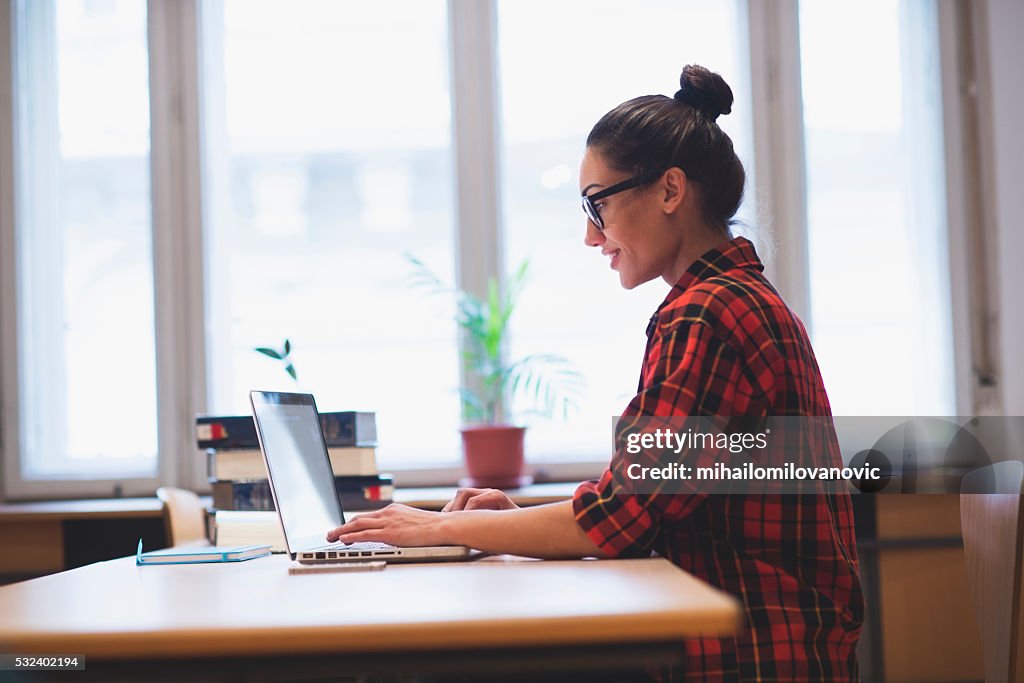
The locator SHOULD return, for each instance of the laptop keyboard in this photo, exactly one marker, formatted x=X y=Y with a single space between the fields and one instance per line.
x=365 y=545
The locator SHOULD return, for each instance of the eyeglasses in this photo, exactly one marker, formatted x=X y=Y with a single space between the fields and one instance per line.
x=588 y=199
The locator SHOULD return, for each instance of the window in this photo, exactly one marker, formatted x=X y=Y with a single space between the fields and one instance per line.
x=313 y=148
x=323 y=174
x=879 y=274
x=558 y=78
x=85 y=276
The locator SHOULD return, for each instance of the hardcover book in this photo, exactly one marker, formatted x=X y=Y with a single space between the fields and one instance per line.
x=248 y=463
x=355 y=493
x=347 y=428
x=233 y=527
x=201 y=555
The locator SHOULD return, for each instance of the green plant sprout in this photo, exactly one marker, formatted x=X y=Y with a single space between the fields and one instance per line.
x=283 y=355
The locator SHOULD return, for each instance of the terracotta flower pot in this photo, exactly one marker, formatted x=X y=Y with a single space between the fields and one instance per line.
x=494 y=456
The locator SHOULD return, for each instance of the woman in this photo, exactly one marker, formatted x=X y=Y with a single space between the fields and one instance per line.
x=660 y=186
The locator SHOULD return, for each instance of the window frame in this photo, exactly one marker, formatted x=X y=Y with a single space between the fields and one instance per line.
x=179 y=213
x=779 y=159
x=11 y=369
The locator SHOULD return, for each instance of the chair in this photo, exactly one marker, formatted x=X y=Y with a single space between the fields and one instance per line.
x=184 y=516
x=992 y=520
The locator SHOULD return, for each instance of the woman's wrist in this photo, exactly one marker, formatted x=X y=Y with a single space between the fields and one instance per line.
x=452 y=527
x=463 y=527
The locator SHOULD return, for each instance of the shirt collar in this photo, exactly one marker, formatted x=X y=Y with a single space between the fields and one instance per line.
x=736 y=253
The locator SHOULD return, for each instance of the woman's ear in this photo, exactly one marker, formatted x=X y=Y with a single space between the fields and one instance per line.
x=676 y=187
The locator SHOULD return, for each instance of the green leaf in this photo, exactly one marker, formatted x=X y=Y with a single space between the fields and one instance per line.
x=495 y=321
x=269 y=352
x=547 y=382
x=291 y=371
x=424 y=278
x=515 y=286
x=472 y=405
x=287 y=347
x=522 y=272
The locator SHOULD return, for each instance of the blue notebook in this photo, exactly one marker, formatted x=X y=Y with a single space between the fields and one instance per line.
x=197 y=555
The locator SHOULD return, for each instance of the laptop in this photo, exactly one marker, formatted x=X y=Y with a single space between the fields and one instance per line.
x=302 y=484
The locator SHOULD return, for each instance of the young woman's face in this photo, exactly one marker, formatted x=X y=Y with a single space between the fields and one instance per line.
x=639 y=242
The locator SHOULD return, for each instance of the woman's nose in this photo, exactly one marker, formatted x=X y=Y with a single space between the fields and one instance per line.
x=593 y=237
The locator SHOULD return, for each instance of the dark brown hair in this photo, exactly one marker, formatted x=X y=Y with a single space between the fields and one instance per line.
x=653 y=133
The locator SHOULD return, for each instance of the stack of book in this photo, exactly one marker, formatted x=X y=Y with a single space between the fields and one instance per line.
x=243 y=507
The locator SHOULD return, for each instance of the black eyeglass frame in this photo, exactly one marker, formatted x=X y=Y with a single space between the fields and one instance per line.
x=628 y=184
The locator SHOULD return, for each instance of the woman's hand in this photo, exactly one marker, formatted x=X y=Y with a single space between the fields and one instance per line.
x=479 y=499
x=547 y=531
x=396 y=524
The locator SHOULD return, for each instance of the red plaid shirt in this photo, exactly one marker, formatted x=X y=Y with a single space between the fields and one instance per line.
x=724 y=343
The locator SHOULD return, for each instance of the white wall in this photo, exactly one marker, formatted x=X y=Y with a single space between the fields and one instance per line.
x=1006 y=56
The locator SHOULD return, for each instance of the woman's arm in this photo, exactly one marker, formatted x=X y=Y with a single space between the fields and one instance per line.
x=546 y=531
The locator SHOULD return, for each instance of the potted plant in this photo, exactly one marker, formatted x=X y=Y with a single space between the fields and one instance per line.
x=540 y=384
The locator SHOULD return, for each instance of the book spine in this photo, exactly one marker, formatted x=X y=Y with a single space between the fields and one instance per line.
x=348 y=428
x=354 y=492
x=346 y=483
x=247 y=464
x=357 y=503
x=242 y=495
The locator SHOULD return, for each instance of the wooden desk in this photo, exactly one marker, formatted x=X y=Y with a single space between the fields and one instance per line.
x=102 y=508
x=50 y=536
x=921 y=625
x=116 y=612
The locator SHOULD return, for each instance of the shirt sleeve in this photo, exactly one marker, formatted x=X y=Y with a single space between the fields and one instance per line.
x=694 y=373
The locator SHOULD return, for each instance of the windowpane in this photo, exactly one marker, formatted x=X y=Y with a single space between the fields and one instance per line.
x=328 y=156
x=88 y=391
x=558 y=77
x=876 y=197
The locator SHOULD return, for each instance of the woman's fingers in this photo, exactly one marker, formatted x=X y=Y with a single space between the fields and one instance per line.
x=359 y=523
x=491 y=499
x=396 y=524
x=378 y=535
x=462 y=496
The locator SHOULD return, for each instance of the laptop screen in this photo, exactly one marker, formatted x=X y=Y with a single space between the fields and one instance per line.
x=300 y=471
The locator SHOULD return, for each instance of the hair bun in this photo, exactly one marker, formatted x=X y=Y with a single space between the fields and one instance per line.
x=705 y=91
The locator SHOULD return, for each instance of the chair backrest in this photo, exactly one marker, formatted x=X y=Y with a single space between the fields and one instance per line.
x=184 y=515
x=991 y=522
